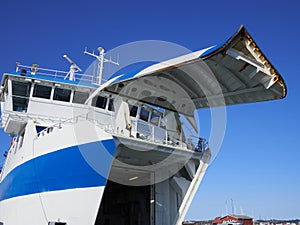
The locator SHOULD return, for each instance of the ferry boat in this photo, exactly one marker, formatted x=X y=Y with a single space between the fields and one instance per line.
x=88 y=152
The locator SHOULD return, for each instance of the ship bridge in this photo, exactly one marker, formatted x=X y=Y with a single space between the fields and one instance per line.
x=51 y=101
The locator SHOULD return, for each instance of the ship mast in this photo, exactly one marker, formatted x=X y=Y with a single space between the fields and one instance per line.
x=101 y=60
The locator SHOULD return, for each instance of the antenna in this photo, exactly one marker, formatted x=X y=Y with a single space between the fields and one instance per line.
x=242 y=211
x=101 y=61
x=226 y=207
x=73 y=68
x=232 y=207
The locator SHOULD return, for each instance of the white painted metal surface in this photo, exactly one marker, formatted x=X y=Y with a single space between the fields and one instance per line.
x=76 y=206
x=71 y=139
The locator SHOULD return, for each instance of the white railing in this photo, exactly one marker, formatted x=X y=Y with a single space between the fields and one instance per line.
x=143 y=132
x=74 y=120
x=56 y=73
x=20 y=116
x=150 y=132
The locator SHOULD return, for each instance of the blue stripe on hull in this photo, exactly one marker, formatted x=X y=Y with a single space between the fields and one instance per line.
x=59 y=170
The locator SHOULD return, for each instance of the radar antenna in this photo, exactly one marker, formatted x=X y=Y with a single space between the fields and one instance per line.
x=73 y=68
x=101 y=61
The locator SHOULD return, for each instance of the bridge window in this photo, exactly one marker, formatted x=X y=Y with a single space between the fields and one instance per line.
x=61 y=94
x=80 y=97
x=99 y=102
x=111 y=105
x=133 y=110
x=20 y=92
x=154 y=119
x=144 y=114
x=163 y=123
x=41 y=91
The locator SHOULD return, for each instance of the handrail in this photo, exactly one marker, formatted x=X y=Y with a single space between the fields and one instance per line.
x=148 y=135
x=57 y=73
x=147 y=132
x=57 y=125
x=20 y=116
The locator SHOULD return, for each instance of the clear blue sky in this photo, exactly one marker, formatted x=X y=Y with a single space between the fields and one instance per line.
x=258 y=165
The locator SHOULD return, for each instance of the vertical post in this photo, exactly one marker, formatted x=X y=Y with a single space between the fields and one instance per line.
x=152 y=199
x=17 y=68
x=166 y=136
x=181 y=138
x=152 y=133
x=100 y=64
x=72 y=73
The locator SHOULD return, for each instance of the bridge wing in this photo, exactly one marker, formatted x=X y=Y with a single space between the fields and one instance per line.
x=233 y=72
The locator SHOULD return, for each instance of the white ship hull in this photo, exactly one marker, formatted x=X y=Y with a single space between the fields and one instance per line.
x=127 y=151
x=67 y=184
x=77 y=206
x=53 y=183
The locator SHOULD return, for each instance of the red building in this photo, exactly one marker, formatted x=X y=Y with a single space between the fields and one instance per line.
x=233 y=220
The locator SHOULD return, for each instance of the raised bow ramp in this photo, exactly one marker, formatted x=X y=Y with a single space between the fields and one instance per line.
x=234 y=72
